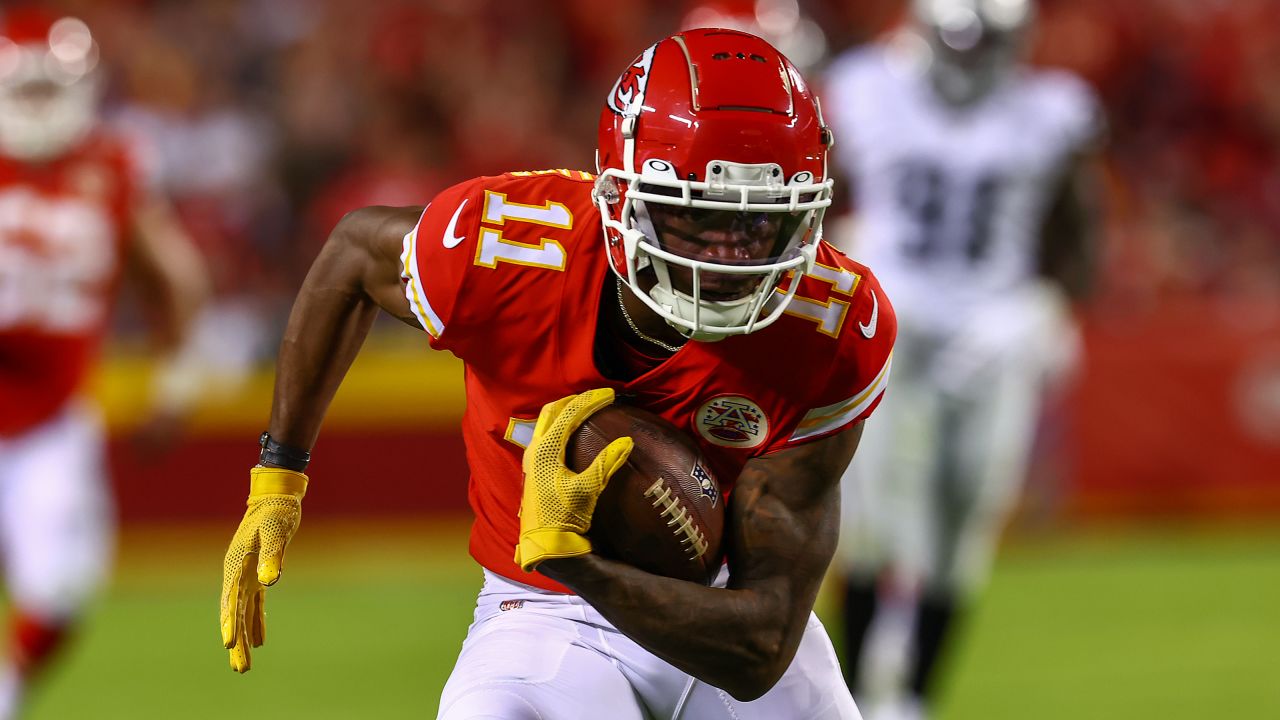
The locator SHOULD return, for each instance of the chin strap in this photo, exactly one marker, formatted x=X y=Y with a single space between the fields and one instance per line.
x=719 y=314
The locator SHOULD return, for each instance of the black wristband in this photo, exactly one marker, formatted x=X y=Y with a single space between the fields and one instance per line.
x=278 y=455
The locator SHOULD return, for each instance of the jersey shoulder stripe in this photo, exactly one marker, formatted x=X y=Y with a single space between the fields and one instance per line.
x=576 y=175
x=836 y=415
x=413 y=289
x=858 y=368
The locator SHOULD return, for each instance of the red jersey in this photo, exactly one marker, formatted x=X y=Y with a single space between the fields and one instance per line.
x=507 y=273
x=62 y=236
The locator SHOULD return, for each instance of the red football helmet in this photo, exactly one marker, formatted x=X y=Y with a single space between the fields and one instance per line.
x=48 y=85
x=713 y=181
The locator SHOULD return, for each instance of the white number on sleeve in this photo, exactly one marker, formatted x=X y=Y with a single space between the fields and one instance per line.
x=494 y=248
x=828 y=315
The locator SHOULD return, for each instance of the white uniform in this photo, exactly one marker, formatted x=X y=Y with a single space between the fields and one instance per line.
x=56 y=515
x=949 y=209
x=531 y=649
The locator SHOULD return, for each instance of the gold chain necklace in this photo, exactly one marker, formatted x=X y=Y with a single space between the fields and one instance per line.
x=632 y=323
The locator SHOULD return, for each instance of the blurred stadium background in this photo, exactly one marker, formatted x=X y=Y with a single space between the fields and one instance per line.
x=1141 y=577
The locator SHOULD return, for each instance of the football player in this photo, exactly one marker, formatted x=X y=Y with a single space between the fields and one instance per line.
x=688 y=276
x=967 y=172
x=74 y=215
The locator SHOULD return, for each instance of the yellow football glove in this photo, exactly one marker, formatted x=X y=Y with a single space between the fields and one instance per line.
x=556 y=508
x=256 y=555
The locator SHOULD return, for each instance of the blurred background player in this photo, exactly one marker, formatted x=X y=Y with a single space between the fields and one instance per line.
x=75 y=216
x=967 y=171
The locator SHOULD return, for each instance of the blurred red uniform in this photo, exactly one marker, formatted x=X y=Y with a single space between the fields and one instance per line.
x=508 y=273
x=63 y=229
x=73 y=214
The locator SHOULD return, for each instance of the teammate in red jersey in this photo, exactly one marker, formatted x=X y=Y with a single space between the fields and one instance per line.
x=73 y=214
x=706 y=296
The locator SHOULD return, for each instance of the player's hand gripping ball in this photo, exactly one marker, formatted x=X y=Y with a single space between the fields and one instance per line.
x=662 y=511
x=557 y=503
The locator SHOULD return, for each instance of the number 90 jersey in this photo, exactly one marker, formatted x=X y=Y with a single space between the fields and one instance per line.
x=950 y=201
x=507 y=273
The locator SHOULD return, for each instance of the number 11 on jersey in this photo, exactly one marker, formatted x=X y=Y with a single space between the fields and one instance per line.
x=493 y=247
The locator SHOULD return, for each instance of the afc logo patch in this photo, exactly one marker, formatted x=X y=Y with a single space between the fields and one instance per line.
x=703 y=479
x=731 y=421
x=628 y=93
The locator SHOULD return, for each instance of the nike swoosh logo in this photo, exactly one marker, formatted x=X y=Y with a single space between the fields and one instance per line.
x=869 y=330
x=450 y=239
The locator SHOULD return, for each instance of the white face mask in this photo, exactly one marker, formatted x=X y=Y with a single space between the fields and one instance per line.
x=713 y=253
x=34 y=129
x=49 y=92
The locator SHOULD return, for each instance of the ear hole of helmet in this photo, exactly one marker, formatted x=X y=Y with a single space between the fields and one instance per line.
x=606 y=189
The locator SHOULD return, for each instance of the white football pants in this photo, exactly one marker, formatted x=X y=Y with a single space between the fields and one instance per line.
x=538 y=655
x=56 y=517
x=940 y=465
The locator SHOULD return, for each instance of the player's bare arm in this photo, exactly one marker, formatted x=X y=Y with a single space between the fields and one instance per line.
x=783 y=525
x=1067 y=240
x=170 y=274
x=356 y=274
x=168 y=269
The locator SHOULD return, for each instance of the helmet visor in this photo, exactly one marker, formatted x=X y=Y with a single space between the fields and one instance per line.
x=735 y=249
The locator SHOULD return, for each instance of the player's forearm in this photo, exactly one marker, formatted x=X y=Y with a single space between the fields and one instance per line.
x=739 y=640
x=169 y=269
x=189 y=288
x=177 y=303
x=1071 y=267
x=356 y=274
x=329 y=322
x=177 y=376
x=1069 y=235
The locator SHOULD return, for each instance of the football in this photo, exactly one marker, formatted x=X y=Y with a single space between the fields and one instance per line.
x=662 y=511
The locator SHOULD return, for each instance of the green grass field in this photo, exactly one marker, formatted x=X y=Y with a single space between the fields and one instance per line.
x=367 y=621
